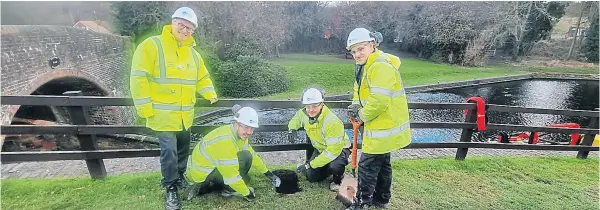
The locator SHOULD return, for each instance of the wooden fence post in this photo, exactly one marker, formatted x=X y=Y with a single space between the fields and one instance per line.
x=80 y=116
x=588 y=139
x=471 y=117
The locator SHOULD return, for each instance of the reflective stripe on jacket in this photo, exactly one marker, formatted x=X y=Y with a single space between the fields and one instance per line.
x=391 y=58
x=327 y=135
x=385 y=106
x=218 y=150
x=164 y=80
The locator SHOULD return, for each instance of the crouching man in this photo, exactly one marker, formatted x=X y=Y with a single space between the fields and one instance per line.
x=224 y=158
x=326 y=133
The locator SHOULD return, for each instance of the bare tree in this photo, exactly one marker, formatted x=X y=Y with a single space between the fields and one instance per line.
x=516 y=22
x=263 y=23
x=446 y=30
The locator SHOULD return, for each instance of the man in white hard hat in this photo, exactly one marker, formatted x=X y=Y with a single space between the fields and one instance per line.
x=166 y=74
x=224 y=156
x=326 y=134
x=380 y=102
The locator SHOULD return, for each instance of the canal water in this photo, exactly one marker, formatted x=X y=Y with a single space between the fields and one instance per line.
x=551 y=94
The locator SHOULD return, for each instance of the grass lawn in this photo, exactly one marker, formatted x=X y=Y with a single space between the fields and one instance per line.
x=336 y=74
x=476 y=183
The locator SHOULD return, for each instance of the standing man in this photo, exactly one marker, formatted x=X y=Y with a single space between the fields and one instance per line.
x=326 y=133
x=166 y=74
x=224 y=157
x=380 y=102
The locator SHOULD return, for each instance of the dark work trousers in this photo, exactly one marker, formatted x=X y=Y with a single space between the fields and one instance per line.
x=214 y=180
x=374 y=178
x=174 y=153
x=335 y=168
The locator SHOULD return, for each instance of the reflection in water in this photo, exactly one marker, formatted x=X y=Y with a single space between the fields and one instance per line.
x=543 y=94
x=552 y=94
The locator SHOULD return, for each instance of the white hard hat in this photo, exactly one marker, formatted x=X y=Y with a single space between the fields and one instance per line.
x=312 y=96
x=358 y=35
x=247 y=116
x=186 y=13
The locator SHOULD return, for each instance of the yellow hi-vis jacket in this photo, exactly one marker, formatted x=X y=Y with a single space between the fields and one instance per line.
x=385 y=106
x=391 y=58
x=327 y=135
x=164 y=80
x=218 y=150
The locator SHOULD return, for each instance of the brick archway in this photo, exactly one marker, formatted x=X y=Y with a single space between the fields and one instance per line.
x=44 y=79
x=99 y=62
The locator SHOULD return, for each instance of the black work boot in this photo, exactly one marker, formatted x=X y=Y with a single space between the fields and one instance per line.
x=182 y=183
x=357 y=205
x=381 y=204
x=172 y=201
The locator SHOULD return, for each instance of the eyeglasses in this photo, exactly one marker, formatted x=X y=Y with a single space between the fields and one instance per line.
x=181 y=25
x=313 y=106
x=359 y=49
x=245 y=127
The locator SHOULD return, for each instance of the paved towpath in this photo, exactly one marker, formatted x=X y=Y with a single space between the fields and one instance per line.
x=71 y=168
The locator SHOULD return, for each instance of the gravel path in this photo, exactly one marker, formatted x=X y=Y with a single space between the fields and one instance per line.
x=77 y=168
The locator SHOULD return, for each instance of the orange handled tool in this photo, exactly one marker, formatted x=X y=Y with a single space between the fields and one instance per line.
x=349 y=185
x=355 y=125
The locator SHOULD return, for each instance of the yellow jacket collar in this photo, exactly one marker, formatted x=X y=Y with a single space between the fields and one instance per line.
x=235 y=135
x=324 y=112
x=373 y=57
x=166 y=33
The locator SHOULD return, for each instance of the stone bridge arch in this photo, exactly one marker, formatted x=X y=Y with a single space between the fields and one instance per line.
x=96 y=63
x=56 y=83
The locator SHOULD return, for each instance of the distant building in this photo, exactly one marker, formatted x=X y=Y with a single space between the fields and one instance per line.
x=573 y=32
x=97 y=26
x=566 y=28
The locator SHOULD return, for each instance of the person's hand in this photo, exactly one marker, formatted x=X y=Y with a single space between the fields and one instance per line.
x=353 y=110
x=250 y=197
x=213 y=100
x=301 y=168
x=292 y=134
x=275 y=180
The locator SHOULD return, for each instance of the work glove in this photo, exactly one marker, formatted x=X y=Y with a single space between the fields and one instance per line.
x=301 y=168
x=250 y=197
x=292 y=134
x=275 y=180
x=353 y=110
